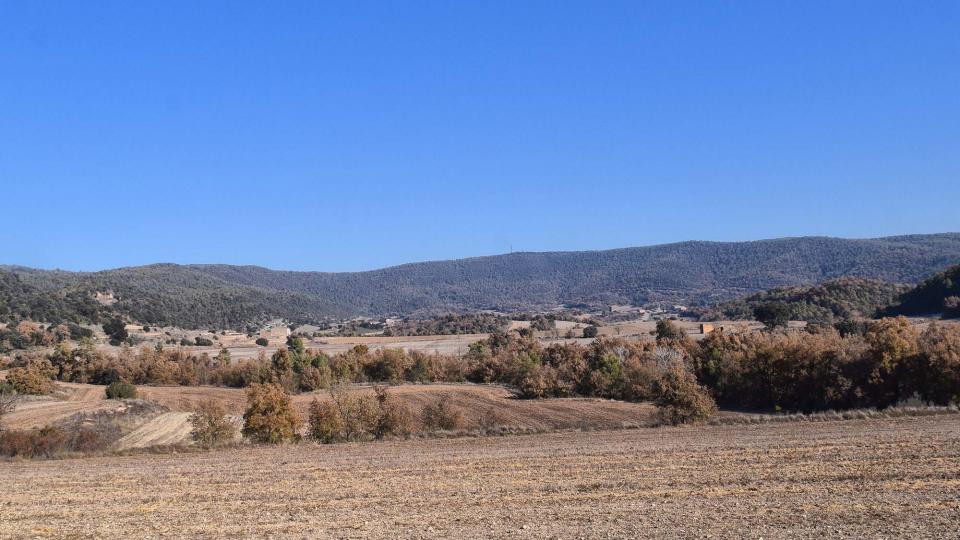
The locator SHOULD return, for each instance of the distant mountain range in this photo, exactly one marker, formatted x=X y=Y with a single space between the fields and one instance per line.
x=688 y=272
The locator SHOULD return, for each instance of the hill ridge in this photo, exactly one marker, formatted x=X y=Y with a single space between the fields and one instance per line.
x=692 y=272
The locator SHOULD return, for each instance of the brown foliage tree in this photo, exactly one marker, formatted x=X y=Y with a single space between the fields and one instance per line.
x=681 y=400
x=210 y=426
x=270 y=417
x=29 y=381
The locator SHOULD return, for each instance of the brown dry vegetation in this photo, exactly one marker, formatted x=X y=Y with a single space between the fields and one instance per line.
x=861 y=478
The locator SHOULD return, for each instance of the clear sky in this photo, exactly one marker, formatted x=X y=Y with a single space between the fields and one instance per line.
x=348 y=136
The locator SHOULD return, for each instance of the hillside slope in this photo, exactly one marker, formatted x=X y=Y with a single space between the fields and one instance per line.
x=688 y=272
x=938 y=294
x=843 y=298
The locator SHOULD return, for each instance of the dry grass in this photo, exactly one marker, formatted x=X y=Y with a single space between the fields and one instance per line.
x=891 y=477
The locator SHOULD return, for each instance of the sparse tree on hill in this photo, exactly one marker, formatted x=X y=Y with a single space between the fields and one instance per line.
x=295 y=344
x=772 y=314
x=668 y=331
x=116 y=330
x=223 y=357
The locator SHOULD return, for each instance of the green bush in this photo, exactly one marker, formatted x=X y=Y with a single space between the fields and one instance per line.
x=262 y=342
x=121 y=390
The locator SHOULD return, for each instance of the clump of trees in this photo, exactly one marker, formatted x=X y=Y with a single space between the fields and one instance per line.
x=472 y=323
x=827 y=302
x=25 y=334
x=45 y=442
x=806 y=372
x=31 y=380
x=357 y=417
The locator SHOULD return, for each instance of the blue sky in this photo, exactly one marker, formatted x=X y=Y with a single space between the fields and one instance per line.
x=354 y=135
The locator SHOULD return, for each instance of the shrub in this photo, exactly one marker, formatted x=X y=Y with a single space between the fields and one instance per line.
x=346 y=417
x=121 y=390
x=262 y=342
x=394 y=419
x=314 y=378
x=210 y=425
x=295 y=344
x=772 y=314
x=203 y=342
x=540 y=382
x=490 y=420
x=45 y=442
x=352 y=417
x=30 y=381
x=440 y=415
x=668 y=330
x=387 y=365
x=325 y=423
x=88 y=440
x=681 y=400
x=270 y=417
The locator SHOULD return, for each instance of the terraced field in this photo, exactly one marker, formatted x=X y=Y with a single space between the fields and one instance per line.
x=473 y=401
x=882 y=478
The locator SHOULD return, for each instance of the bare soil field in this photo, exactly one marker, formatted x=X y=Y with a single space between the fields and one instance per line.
x=883 y=478
x=243 y=348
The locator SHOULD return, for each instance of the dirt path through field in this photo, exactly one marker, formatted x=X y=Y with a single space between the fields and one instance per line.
x=166 y=429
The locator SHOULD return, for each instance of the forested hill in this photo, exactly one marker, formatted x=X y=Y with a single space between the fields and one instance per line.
x=827 y=302
x=688 y=272
x=938 y=294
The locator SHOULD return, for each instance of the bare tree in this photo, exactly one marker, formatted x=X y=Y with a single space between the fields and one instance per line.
x=8 y=400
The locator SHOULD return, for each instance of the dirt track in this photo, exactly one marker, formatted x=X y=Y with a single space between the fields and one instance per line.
x=166 y=429
x=888 y=478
